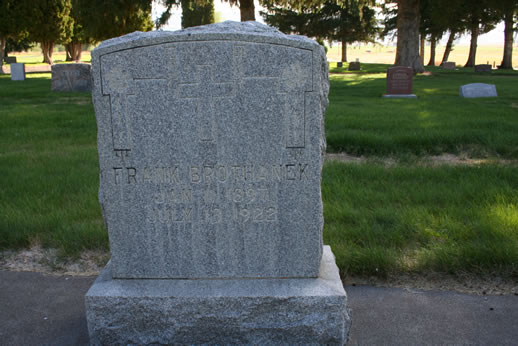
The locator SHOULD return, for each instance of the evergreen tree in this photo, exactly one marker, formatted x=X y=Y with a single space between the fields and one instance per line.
x=480 y=17
x=101 y=19
x=195 y=13
x=507 y=11
x=346 y=21
x=13 y=23
x=51 y=23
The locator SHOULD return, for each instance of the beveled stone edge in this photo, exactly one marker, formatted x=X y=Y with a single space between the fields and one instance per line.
x=327 y=284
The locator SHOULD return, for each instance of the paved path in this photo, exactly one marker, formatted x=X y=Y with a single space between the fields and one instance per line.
x=37 y=309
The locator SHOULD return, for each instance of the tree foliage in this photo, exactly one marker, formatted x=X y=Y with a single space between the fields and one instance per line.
x=347 y=21
x=195 y=13
x=13 y=23
x=50 y=23
x=246 y=8
x=106 y=19
x=507 y=10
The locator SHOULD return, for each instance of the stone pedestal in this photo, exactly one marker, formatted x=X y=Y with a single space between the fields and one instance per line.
x=235 y=311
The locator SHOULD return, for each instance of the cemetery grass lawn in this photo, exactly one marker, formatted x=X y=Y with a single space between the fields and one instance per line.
x=49 y=168
x=383 y=220
x=360 y=122
x=378 y=219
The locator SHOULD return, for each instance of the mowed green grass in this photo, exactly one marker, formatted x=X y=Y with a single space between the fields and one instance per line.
x=378 y=219
x=49 y=170
x=359 y=121
x=381 y=220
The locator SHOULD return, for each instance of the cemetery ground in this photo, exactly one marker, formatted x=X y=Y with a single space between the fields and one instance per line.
x=424 y=194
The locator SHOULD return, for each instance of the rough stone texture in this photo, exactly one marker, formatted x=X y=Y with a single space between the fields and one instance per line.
x=18 y=71
x=409 y=96
x=449 y=65
x=354 y=66
x=211 y=144
x=10 y=59
x=71 y=77
x=476 y=90
x=400 y=80
x=237 y=311
x=483 y=68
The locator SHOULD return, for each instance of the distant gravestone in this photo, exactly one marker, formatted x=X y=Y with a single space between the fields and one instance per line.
x=71 y=77
x=483 y=68
x=354 y=66
x=476 y=90
x=17 y=71
x=339 y=64
x=211 y=146
x=400 y=82
x=10 y=59
x=449 y=65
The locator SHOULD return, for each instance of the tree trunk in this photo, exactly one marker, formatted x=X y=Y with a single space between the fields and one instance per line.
x=507 y=62
x=344 y=51
x=475 y=31
x=2 y=51
x=47 y=48
x=68 y=52
x=247 y=10
x=449 y=47
x=74 y=51
x=407 y=53
x=421 y=52
x=433 y=45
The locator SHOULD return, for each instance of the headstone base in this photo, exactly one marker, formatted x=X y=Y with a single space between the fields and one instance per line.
x=234 y=311
x=402 y=96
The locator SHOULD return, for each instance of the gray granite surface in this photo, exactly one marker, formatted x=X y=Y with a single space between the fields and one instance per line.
x=483 y=68
x=235 y=311
x=17 y=71
x=354 y=66
x=71 y=77
x=476 y=90
x=449 y=65
x=10 y=59
x=211 y=143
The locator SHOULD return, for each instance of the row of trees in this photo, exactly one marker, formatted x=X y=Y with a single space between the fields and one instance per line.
x=412 y=21
x=69 y=22
x=76 y=22
x=415 y=20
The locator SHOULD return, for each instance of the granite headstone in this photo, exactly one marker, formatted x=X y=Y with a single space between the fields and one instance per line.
x=71 y=77
x=17 y=71
x=10 y=59
x=476 y=90
x=339 y=64
x=400 y=82
x=483 y=68
x=354 y=66
x=449 y=65
x=211 y=144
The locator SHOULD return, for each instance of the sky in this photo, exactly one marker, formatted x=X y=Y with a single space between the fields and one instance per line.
x=227 y=12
